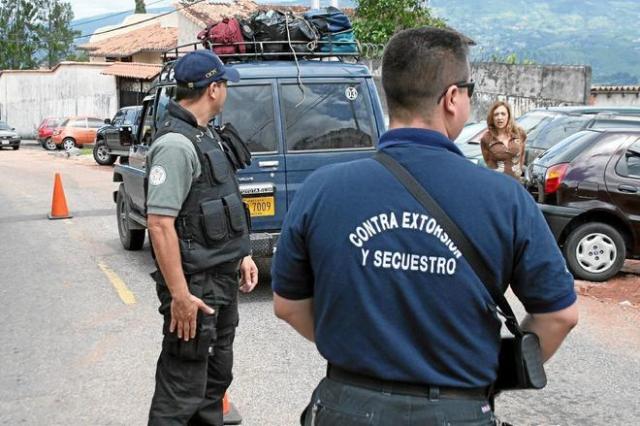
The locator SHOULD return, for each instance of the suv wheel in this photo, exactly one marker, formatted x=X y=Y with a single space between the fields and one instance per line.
x=101 y=154
x=594 y=251
x=131 y=239
x=49 y=145
x=68 y=144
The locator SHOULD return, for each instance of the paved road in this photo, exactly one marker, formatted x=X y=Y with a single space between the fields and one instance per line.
x=74 y=353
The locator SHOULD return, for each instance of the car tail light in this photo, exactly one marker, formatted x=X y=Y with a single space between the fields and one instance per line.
x=554 y=176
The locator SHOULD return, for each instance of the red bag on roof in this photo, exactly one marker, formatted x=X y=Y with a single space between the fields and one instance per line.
x=221 y=36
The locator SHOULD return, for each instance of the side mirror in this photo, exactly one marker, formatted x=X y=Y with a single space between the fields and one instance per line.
x=107 y=121
x=13 y=128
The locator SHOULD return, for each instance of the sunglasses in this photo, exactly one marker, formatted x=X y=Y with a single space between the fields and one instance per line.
x=469 y=85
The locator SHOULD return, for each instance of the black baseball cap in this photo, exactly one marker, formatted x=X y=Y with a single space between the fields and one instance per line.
x=201 y=68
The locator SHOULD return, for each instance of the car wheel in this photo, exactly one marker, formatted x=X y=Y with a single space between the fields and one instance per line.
x=49 y=145
x=131 y=239
x=594 y=251
x=68 y=144
x=101 y=154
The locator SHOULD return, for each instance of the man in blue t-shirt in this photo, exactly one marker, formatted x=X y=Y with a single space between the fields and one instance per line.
x=364 y=271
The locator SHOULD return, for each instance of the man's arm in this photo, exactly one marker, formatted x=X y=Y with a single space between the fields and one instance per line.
x=184 y=306
x=298 y=313
x=552 y=328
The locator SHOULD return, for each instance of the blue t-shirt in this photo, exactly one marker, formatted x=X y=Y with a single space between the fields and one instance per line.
x=393 y=296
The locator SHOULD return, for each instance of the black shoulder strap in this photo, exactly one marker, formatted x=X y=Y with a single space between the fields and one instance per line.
x=467 y=248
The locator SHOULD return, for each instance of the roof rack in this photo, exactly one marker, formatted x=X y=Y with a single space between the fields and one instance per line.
x=277 y=49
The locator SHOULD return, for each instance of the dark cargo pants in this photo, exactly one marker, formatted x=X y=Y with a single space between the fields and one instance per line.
x=335 y=403
x=192 y=377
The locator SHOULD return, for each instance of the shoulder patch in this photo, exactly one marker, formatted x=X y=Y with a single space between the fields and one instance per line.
x=157 y=175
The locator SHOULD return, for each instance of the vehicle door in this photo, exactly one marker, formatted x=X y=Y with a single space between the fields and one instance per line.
x=325 y=121
x=111 y=133
x=136 y=166
x=251 y=108
x=622 y=179
x=79 y=130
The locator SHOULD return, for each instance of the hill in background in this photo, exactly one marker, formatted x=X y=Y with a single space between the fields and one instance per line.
x=603 y=34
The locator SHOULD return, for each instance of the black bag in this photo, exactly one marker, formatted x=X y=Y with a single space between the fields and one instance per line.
x=234 y=147
x=520 y=360
x=276 y=26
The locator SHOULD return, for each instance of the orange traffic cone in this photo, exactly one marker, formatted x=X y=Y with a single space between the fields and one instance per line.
x=231 y=414
x=59 y=208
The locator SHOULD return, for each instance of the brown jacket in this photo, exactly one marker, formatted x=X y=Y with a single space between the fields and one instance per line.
x=507 y=159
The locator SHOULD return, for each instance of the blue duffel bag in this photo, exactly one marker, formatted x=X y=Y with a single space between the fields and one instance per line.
x=342 y=42
x=328 y=20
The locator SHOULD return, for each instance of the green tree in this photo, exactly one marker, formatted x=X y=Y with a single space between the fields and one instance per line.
x=140 y=7
x=34 y=32
x=377 y=20
x=511 y=59
x=56 y=35
x=19 y=40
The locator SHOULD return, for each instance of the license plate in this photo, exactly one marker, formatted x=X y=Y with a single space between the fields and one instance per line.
x=261 y=206
x=5 y=142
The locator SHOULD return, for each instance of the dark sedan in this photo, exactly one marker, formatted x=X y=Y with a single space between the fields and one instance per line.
x=588 y=187
x=8 y=136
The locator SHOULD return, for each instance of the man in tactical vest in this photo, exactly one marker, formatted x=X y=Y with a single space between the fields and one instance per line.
x=199 y=230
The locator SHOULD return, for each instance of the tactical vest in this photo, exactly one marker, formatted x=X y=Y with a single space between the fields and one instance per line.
x=213 y=224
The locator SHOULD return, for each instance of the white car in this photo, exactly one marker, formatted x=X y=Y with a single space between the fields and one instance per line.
x=8 y=136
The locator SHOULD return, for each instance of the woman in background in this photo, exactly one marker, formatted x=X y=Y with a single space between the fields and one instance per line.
x=503 y=143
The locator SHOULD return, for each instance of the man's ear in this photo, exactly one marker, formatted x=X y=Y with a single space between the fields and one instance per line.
x=451 y=98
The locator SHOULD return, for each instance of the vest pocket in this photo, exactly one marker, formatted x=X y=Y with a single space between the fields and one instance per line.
x=235 y=208
x=218 y=164
x=215 y=219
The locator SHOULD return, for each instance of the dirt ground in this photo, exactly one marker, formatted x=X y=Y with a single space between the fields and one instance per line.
x=623 y=289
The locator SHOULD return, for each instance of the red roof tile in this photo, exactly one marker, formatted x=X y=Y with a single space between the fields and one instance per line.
x=150 y=38
x=133 y=70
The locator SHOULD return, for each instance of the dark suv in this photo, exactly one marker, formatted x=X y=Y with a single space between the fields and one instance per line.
x=588 y=188
x=116 y=137
x=293 y=116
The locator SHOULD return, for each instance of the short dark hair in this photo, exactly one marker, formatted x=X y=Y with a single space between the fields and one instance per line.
x=185 y=93
x=417 y=66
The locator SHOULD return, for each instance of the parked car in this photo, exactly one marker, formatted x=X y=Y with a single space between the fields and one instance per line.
x=547 y=126
x=291 y=126
x=76 y=132
x=587 y=187
x=115 y=138
x=8 y=136
x=45 y=130
x=468 y=141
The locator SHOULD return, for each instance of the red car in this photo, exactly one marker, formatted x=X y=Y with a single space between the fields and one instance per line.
x=45 y=131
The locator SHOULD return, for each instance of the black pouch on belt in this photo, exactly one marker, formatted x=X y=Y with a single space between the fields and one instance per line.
x=520 y=363
x=198 y=347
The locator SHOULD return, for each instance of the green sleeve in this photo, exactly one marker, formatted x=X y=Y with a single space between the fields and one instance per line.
x=173 y=165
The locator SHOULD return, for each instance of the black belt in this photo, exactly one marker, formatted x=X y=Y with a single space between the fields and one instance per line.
x=404 y=388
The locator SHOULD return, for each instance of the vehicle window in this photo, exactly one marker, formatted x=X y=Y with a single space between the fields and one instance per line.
x=95 y=123
x=147 y=125
x=4 y=126
x=532 y=121
x=327 y=116
x=629 y=164
x=130 y=117
x=557 y=130
x=616 y=124
x=167 y=93
x=471 y=131
x=77 y=123
x=250 y=110
x=118 y=118
x=569 y=148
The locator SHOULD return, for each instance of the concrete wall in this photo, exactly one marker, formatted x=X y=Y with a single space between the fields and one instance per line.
x=525 y=87
x=187 y=30
x=26 y=97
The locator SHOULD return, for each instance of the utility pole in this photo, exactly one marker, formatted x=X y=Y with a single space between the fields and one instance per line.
x=315 y=4
x=334 y=3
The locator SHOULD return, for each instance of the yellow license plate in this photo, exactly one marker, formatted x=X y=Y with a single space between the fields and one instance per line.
x=261 y=206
